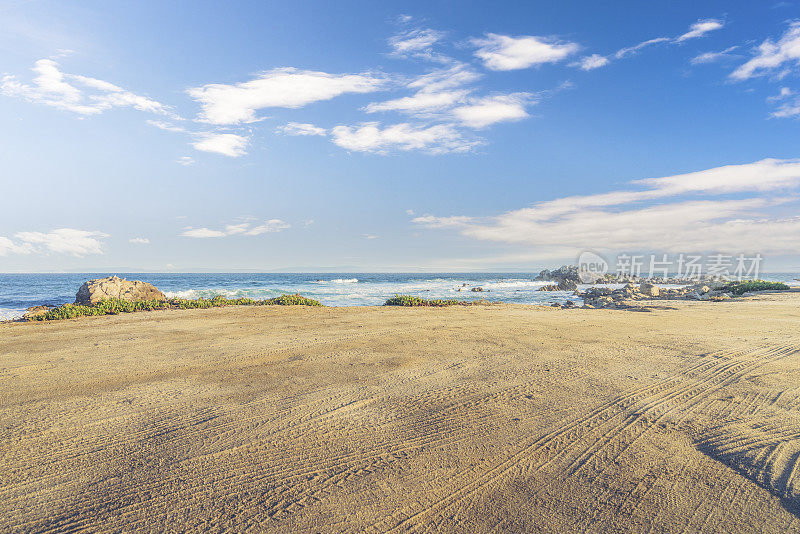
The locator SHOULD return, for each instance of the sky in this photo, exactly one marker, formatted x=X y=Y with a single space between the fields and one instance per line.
x=395 y=136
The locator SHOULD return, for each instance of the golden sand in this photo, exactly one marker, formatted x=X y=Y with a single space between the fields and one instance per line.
x=464 y=419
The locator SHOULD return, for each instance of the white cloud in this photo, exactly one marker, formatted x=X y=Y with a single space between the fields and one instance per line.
x=437 y=90
x=787 y=109
x=185 y=161
x=227 y=144
x=789 y=104
x=784 y=93
x=711 y=57
x=483 y=112
x=595 y=61
x=245 y=228
x=415 y=40
x=166 y=126
x=421 y=102
x=370 y=137
x=629 y=51
x=139 y=241
x=281 y=88
x=76 y=93
x=418 y=43
x=202 y=233
x=9 y=247
x=618 y=221
x=771 y=55
x=297 y=128
x=432 y=221
x=700 y=28
x=370 y=236
x=503 y=52
x=451 y=77
x=270 y=226
x=61 y=241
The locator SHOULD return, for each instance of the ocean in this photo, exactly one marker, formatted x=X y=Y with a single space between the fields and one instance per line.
x=20 y=291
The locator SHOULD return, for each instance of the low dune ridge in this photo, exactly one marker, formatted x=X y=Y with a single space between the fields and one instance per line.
x=380 y=419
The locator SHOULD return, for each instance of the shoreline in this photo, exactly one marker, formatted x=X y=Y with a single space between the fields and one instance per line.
x=19 y=292
x=637 y=303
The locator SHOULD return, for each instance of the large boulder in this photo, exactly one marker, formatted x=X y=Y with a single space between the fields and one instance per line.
x=113 y=287
x=649 y=289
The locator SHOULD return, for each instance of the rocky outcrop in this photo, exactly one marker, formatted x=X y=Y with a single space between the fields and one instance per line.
x=113 y=287
x=604 y=297
x=565 y=272
x=572 y=272
x=567 y=285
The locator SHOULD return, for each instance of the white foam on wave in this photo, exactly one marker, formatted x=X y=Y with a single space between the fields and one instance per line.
x=515 y=284
x=208 y=293
x=349 y=292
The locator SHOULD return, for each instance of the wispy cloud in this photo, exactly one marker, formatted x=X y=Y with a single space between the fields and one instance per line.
x=139 y=241
x=60 y=241
x=245 y=228
x=416 y=41
x=279 y=88
x=297 y=128
x=788 y=104
x=595 y=61
x=712 y=57
x=7 y=246
x=771 y=55
x=631 y=50
x=696 y=30
x=505 y=52
x=700 y=28
x=166 y=126
x=227 y=144
x=371 y=137
x=436 y=91
x=618 y=220
x=76 y=93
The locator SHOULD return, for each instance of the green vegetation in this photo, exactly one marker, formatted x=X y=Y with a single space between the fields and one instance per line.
x=117 y=306
x=737 y=288
x=408 y=300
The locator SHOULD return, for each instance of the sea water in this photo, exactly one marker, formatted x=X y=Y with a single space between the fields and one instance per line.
x=20 y=291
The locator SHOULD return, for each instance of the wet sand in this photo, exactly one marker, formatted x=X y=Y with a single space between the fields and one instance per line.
x=461 y=419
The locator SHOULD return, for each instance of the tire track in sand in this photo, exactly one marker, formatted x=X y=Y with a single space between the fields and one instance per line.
x=587 y=437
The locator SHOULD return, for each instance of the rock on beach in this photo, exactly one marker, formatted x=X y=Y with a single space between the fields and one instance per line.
x=113 y=287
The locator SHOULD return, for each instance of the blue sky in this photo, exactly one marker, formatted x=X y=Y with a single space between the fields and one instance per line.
x=395 y=136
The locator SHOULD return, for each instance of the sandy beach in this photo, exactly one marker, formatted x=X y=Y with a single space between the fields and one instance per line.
x=467 y=418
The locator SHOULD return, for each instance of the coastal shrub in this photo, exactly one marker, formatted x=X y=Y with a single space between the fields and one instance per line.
x=117 y=306
x=738 y=288
x=408 y=300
